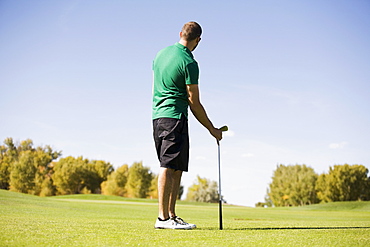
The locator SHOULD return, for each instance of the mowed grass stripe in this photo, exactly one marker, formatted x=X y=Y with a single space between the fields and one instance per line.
x=96 y=220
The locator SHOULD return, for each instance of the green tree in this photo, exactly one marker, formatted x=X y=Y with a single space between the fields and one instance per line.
x=203 y=190
x=26 y=145
x=5 y=168
x=8 y=156
x=47 y=187
x=293 y=186
x=95 y=172
x=68 y=175
x=22 y=176
x=153 y=190
x=323 y=188
x=116 y=182
x=24 y=167
x=79 y=175
x=43 y=157
x=268 y=201
x=102 y=169
x=12 y=151
x=138 y=181
x=344 y=183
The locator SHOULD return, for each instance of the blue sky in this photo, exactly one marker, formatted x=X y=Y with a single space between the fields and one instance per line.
x=291 y=79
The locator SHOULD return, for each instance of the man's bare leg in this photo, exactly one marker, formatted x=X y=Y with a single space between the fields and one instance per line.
x=174 y=192
x=165 y=179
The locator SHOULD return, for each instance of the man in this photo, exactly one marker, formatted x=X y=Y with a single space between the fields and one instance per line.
x=175 y=88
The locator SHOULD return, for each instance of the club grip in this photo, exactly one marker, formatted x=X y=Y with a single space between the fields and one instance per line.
x=224 y=128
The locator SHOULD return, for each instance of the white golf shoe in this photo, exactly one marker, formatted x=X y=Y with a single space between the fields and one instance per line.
x=182 y=222
x=171 y=224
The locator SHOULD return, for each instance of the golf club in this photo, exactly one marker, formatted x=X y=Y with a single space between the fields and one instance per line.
x=224 y=128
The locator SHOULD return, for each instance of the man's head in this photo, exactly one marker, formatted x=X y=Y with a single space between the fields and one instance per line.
x=191 y=30
x=190 y=34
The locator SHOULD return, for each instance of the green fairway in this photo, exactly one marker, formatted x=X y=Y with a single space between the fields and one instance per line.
x=96 y=220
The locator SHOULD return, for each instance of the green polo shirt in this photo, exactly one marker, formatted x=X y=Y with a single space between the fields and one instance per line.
x=173 y=68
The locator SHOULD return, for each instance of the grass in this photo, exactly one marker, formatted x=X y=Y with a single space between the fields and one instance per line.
x=97 y=220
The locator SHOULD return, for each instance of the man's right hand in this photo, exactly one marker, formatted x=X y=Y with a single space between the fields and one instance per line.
x=216 y=133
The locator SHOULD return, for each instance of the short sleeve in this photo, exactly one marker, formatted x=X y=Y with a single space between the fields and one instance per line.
x=192 y=73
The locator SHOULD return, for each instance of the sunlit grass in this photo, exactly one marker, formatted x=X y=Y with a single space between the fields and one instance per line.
x=97 y=220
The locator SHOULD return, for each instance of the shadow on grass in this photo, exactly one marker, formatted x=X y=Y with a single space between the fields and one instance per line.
x=290 y=228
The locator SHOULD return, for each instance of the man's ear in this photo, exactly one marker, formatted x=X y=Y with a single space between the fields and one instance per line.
x=180 y=35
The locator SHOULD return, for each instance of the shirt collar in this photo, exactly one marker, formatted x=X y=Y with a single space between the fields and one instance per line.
x=182 y=47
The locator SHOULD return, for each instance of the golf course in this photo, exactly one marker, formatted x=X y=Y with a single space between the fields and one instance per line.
x=97 y=220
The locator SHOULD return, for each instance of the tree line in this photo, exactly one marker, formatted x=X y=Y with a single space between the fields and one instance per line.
x=297 y=185
x=39 y=171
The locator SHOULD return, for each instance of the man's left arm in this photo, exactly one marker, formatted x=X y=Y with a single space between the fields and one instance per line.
x=199 y=112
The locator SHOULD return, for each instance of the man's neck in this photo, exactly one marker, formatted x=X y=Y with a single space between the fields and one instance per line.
x=190 y=45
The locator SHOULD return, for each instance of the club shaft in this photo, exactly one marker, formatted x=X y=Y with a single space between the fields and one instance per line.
x=219 y=187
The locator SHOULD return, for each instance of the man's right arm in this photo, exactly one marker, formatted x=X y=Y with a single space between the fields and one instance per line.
x=199 y=112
